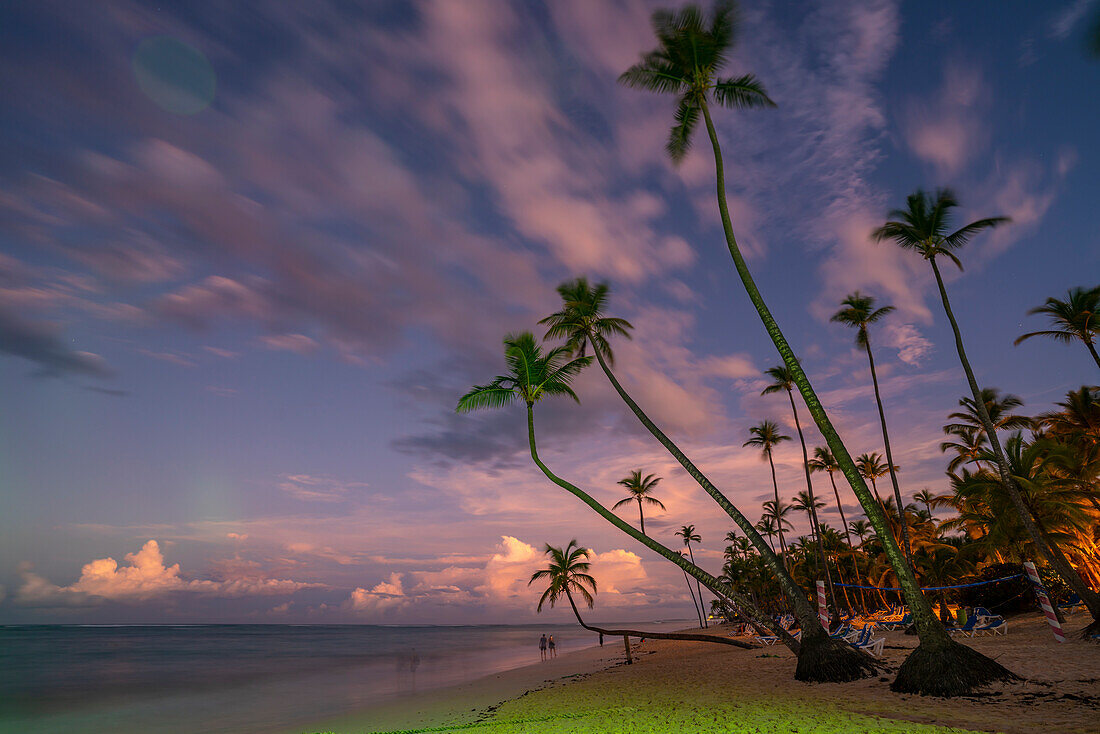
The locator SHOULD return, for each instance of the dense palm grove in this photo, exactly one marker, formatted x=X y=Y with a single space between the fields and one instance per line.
x=1021 y=487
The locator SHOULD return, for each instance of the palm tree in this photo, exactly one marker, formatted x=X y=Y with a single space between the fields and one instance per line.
x=861 y=528
x=695 y=602
x=925 y=497
x=765 y=436
x=859 y=312
x=783 y=381
x=871 y=467
x=639 y=489
x=824 y=461
x=687 y=532
x=1079 y=420
x=1077 y=317
x=568 y=574
x=581 y=322
x=691 y=51
x=533 y=375
x=969 y=444
x=998 y=408
x=924 y=227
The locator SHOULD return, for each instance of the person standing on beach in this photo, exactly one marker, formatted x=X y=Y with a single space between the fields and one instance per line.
x=601 y=639
x=542 y=647
x=552 y=647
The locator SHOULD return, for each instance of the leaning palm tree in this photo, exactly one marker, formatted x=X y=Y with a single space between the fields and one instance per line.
x=687 y=532
x=582 y=322
x=1076 y=318
x=924 y=227
x=534 y=374
x=859 y=312
x=691 y=51
x=639 y=489
x=568 y=574
x=783 y=381
x=764 y=437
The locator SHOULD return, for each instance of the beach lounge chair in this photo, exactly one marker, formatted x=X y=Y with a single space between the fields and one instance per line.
x=841 y=632
x=1071 y=604
x=902 y=623
x=865 y=643
x=766 y=639
x=967 y=629
x=995 y=627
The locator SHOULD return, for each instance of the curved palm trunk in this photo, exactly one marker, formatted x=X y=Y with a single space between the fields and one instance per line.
x=711 y=583
x=641 y=516
x=814 y=525
x=1050 y=551
x=940 y=666
x=807 y=617
x=688 y=636
x=778 y=517
x=702 y=609
x=889 y=455
x=694 y=604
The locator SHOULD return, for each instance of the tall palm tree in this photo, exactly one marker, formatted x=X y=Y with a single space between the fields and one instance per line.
x=924 y=227
x=1077 y=317
x=766 y=527
x=861 y=528
x=783 y=381
x=687 y=532
x=691 y=51
x=764 y=437
x=859 y=312
x=568 y=574
x=696 y=603
x=581 y=321
x=824 y=461
x=534 y=374
x=639 y=488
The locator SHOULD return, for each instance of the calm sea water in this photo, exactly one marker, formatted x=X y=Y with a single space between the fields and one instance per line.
x=171 y=679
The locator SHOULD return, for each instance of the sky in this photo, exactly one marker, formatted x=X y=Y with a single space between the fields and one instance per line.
x=251 y=254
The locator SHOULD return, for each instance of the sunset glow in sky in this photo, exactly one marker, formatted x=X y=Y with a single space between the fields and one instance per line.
x=251 y=256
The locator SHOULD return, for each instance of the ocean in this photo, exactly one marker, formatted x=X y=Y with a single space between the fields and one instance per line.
x=222 y=679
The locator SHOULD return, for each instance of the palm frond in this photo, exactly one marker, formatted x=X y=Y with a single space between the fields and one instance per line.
x=493 y=395
x=743 y=93
x=679 y=137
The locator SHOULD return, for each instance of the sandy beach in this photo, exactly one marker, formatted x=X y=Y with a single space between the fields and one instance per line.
x=690 y=687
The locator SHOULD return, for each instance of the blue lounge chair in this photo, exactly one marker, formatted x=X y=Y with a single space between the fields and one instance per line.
x=992 y=628
x=865 y=643
x=967 y=629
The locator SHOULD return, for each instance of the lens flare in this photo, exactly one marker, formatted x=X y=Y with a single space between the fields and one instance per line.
x=174 y=74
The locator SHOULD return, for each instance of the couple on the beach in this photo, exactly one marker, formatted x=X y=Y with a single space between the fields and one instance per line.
x=547 y=648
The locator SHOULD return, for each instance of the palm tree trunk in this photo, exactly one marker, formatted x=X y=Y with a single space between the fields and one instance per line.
x=1092 y=351
x=712 y=583
x=889 y=455
x=848 y=539
x=936 y=668
x=703 y=615
x=1050 y=551
x=694 y=604
x=814 y=525
x=778 y=517
x=641 y=516
x=687 y=636
x=802 y=608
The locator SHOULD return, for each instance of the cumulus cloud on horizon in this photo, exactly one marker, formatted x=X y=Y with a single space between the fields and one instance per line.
x=143 y=577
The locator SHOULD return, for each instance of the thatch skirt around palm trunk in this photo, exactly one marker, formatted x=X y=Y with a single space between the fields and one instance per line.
x=825 y=660
x=954 y=670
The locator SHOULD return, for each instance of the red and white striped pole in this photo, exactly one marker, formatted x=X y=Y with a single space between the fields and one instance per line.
x=1044 y=601
x=822 y=609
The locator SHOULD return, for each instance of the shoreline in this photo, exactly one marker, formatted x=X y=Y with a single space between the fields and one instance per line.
x=695 y=686
x=465 y=703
